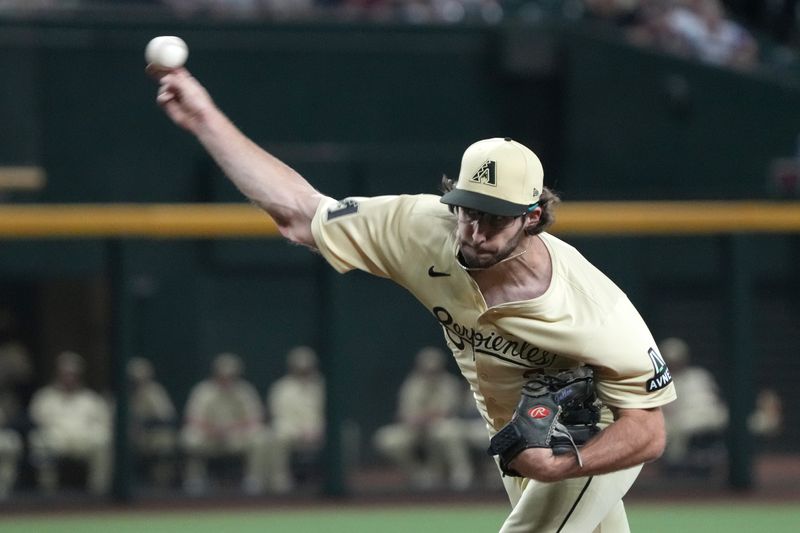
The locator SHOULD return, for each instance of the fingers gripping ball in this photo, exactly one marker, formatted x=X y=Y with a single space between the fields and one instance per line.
x=166 y=52
x=558 y=412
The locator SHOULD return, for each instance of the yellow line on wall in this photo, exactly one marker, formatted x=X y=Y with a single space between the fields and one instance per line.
x=135 y=220
x=678 y=218
x=171 y=221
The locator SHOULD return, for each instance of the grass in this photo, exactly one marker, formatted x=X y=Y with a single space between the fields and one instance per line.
x=644 y=518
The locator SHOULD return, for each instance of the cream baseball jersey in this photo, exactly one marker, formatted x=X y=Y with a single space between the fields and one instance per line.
x=583 y=318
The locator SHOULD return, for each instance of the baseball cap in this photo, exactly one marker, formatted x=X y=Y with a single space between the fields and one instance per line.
x=498 y=176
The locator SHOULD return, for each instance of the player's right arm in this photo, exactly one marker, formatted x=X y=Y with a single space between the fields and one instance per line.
x=275 y=187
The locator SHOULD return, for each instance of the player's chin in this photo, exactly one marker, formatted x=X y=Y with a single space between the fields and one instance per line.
x=475 y=259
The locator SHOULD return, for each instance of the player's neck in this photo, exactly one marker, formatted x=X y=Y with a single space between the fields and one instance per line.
x=522 y=276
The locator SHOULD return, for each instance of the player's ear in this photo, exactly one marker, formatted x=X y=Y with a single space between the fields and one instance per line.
x=532 y=217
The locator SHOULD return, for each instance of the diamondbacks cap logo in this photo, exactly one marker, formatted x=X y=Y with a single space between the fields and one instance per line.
x=486 y=174
x=540 y=411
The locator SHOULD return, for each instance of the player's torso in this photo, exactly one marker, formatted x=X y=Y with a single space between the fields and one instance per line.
x=581 y=318
x=499 y=348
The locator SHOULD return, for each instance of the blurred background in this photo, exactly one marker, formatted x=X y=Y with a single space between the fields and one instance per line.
x=238 y=369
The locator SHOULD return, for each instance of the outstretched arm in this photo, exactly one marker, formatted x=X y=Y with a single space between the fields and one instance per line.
x=275 y=187
x=637 y=436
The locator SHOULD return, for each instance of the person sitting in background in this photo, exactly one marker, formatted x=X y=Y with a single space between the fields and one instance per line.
x=152 y=420
x=16 y=380
x=70 y=421
x=700 y=415
x=296 y=404
x=427 y=440
x=474 y=432
x=697 y=29
x=699 y=411
x=10 y=451
x=224 y=417
x=16 y=373
x=767 y=418
x=710 y=36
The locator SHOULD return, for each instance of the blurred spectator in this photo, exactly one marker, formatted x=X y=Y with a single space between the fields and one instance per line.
x=698 y=29
x=288 y=8
x=698 y=413
x=296 y=404
x=70 y=421
x=697 y=420
x=710 y=36
x=767 y=418
x=475 y=432
x=649 y=26
x=241 y=8
x=16 y=375
x=224 y=417
x=16 y=372
x=10 y=451
x=450 y=11
x=152 y=421
x=427 y=440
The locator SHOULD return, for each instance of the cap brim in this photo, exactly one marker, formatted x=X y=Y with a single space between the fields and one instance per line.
x=481 y=202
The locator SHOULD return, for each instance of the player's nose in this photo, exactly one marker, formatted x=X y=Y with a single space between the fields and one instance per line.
x=478 y=233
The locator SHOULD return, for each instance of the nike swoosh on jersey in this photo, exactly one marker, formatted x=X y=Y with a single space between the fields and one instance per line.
x=432 y=273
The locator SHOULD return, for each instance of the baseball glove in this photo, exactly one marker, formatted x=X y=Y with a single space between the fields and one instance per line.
x=559 y=412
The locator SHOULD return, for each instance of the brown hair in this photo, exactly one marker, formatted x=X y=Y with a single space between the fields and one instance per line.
x=548 y=201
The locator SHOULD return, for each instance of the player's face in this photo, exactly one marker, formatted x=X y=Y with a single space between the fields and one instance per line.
x=487 y=239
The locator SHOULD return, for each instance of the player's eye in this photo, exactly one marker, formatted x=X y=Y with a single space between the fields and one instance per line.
x=496 y=222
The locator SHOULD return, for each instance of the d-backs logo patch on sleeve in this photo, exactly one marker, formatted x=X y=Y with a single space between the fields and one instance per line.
x=661 y=376
x=348 y=206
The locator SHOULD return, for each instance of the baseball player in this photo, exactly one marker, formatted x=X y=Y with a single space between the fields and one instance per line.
x=515 y=303
x=296 y=407
x=224 y=417
x=428 y=420
x=71 y=421
x=153 y=420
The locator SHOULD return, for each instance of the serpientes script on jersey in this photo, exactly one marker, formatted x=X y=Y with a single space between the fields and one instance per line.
x=493 y=344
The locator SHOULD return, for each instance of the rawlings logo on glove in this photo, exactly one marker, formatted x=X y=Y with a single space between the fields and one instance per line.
x=558 y=412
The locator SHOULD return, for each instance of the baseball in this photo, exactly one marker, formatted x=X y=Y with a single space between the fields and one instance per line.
x=166 y=51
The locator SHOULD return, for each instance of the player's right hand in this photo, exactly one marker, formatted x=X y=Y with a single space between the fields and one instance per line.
x=182 y=97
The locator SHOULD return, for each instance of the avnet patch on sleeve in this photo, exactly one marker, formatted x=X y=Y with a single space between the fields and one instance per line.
x=661 y=376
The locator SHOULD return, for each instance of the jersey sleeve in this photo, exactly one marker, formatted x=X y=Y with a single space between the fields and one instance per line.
x=629 y=370
x=363 y=233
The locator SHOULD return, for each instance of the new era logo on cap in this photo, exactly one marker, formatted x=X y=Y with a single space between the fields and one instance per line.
x=513 y=173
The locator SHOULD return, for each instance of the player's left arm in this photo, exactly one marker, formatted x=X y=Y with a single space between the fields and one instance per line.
x=636 y=436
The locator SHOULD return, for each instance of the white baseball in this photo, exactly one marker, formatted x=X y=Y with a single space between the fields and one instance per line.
x=166 y=51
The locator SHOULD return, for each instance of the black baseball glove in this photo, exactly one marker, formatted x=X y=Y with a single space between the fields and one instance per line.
x=559 y=412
